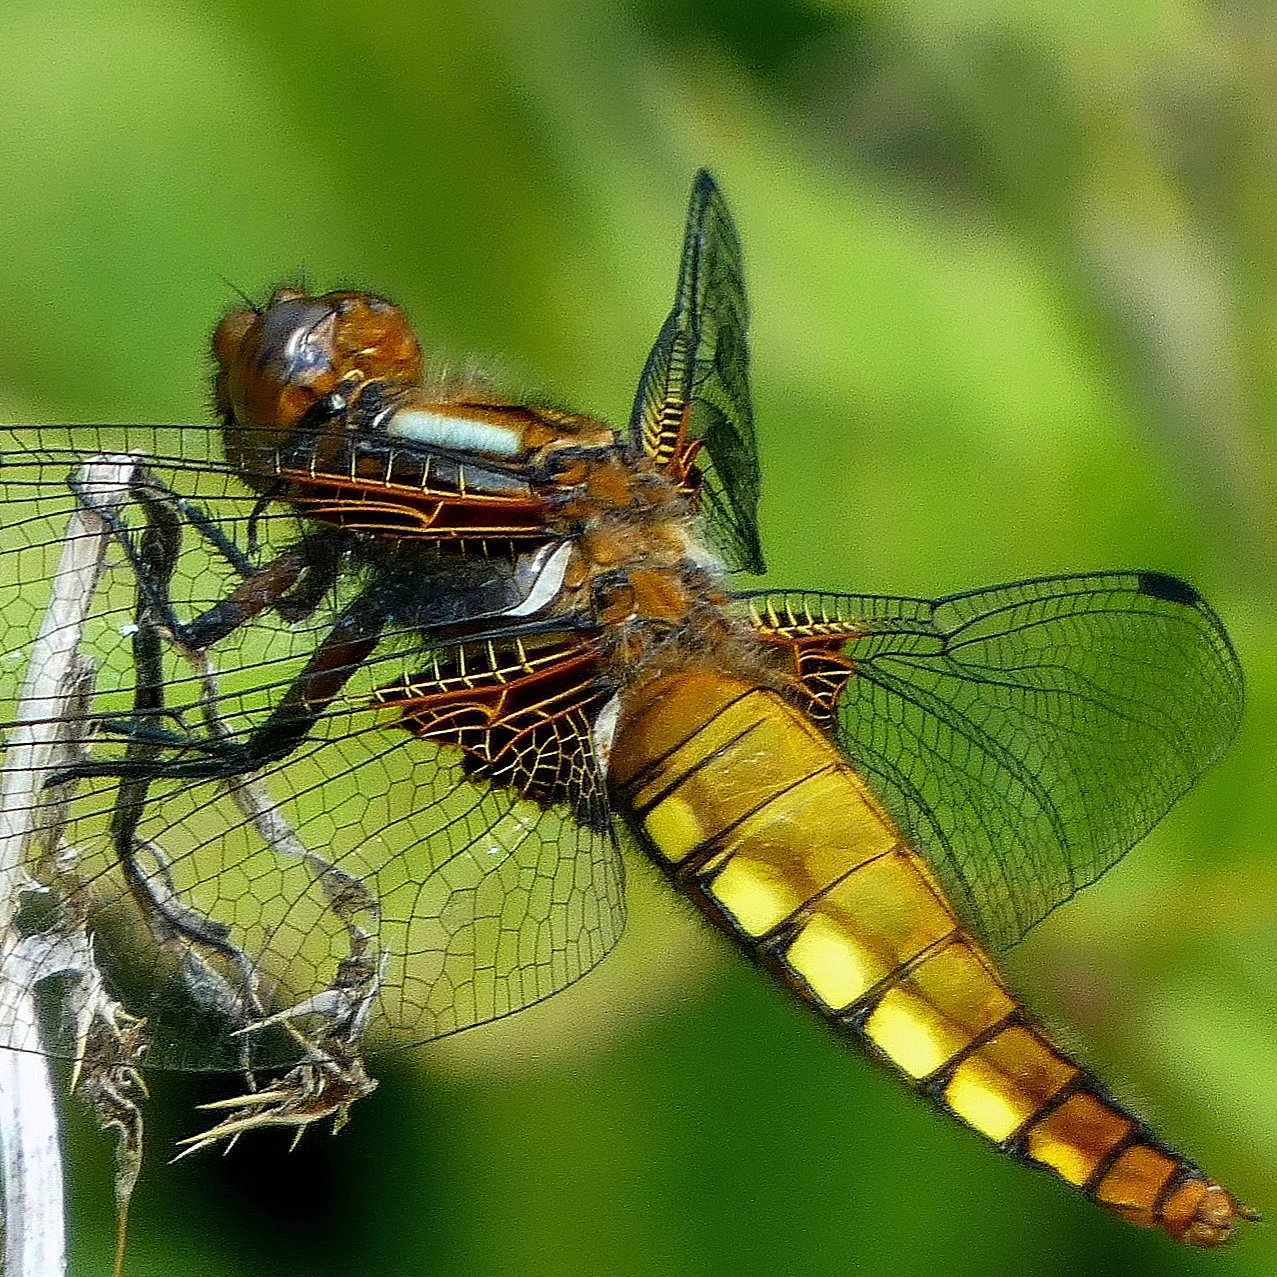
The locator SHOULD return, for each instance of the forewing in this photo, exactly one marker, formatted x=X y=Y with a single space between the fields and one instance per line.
x=1026 y=736
x=695 y=385
x=331 y=468
x=366 y=846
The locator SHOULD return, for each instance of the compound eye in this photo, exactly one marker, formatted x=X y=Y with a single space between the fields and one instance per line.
x=229 y=335
x=277 y=363
x=274 y=365
x=294 y=340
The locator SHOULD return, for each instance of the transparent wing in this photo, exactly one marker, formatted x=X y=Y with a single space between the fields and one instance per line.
x=1025 y=736
x=693 y=413
x=366 y=853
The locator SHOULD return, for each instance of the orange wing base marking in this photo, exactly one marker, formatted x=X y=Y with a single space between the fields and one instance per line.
x=413 y=513
x=522 y=717
x=683 y=469
x=454 y=520
x=816 y=659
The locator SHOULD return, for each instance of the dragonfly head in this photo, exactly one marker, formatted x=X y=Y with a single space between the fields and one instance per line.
x=276 y=363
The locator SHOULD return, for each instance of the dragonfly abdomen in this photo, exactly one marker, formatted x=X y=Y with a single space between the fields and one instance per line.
x=754 y=813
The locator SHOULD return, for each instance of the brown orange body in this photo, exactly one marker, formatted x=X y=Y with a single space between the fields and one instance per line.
x=721 y=757
x=755 y=814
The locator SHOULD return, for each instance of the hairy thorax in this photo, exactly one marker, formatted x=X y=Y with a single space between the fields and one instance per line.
x=638 y=567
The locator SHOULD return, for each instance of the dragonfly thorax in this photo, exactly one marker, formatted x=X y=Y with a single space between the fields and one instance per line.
x=638 y=567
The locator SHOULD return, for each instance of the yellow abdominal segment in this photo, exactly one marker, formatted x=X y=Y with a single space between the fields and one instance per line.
x=755 y=813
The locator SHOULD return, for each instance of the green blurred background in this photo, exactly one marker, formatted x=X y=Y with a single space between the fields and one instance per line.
x=1013 y=273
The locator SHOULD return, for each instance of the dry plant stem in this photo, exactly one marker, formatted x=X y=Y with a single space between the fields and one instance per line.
x=35 y=1230
x=30 y=1155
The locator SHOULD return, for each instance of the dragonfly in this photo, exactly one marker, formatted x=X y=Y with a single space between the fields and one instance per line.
x=326 y=723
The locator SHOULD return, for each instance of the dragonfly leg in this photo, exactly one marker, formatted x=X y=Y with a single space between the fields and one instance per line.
x=348 y=644
x=146 y=867
x=206 y=526
x=292 y=584
x=308 y=1093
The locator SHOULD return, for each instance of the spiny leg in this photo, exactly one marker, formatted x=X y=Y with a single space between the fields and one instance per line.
x=350 y=642
x=331 y=1075
x=153 y=888
x=292 y=584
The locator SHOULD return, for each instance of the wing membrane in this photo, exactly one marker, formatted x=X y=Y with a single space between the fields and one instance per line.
x=345 y=476
x=693 y=407
x=478 y=902
x=1026 y=736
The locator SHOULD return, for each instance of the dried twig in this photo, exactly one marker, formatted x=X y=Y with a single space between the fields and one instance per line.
x=54 y=691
